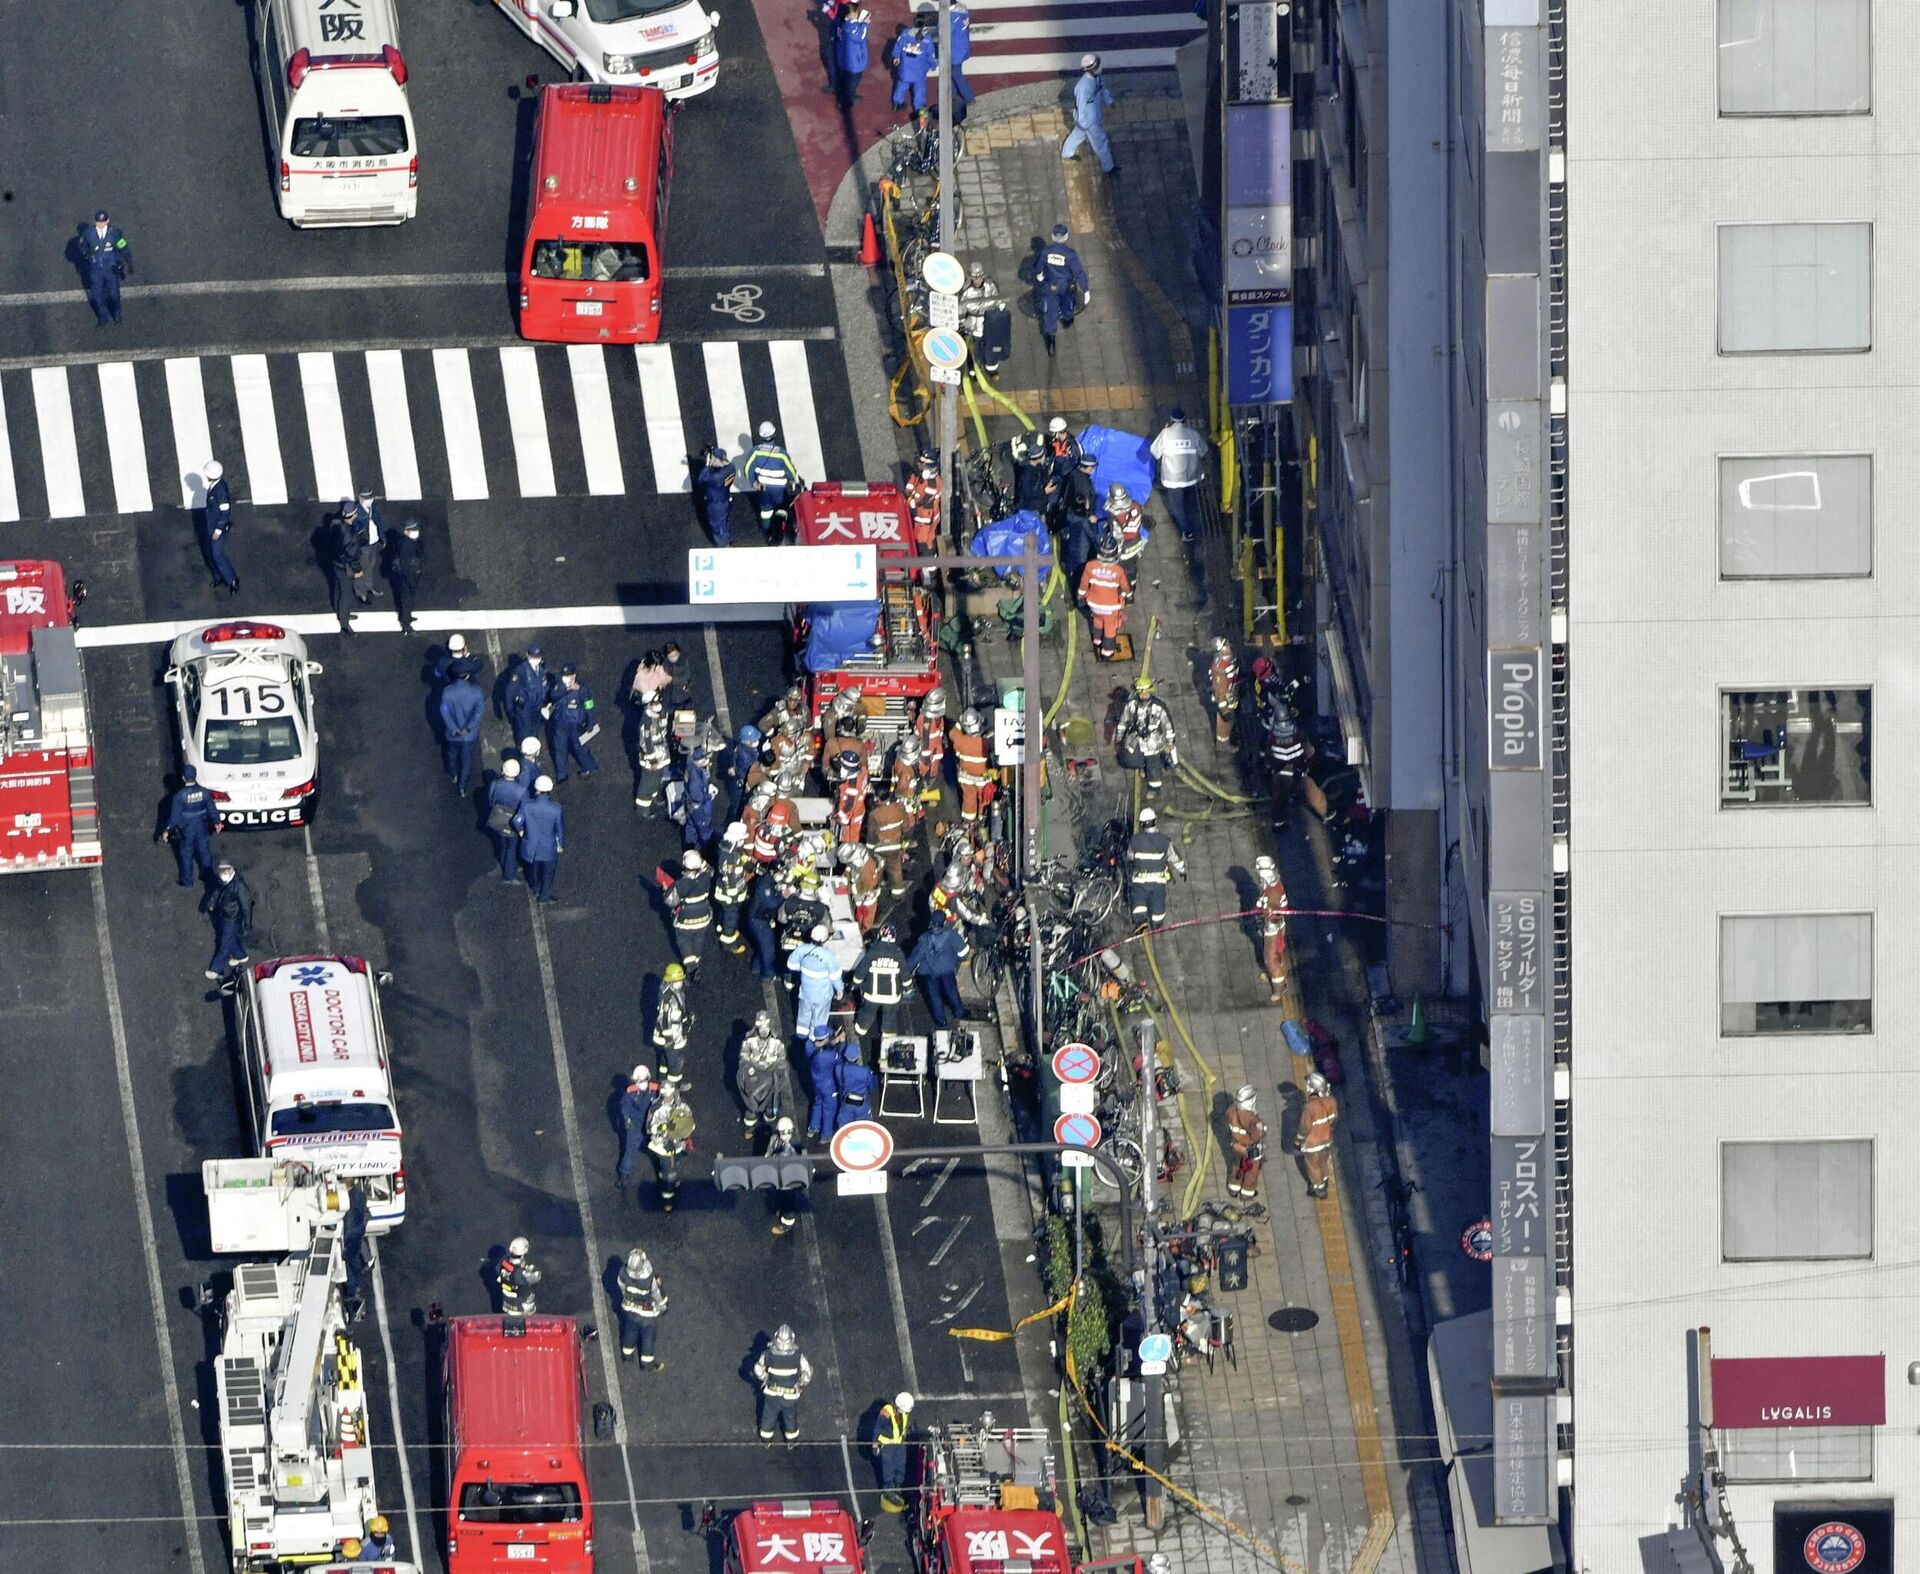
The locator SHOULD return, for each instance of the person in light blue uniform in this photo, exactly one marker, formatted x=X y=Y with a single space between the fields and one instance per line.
x=1090 y=99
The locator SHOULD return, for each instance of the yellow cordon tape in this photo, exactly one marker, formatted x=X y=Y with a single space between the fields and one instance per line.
x=994 y=1334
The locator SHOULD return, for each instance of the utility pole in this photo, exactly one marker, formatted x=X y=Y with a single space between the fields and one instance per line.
x=1153 y=1402
x=1705 y=1518
x=946 y=413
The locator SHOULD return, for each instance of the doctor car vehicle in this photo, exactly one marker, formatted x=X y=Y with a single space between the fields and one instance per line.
x=602 y=169
x=668 y=44
x=335 y=87
x=243 y=704
x=319 y=1085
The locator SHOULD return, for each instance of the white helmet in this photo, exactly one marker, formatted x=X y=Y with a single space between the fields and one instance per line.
x=1265 y=868
x=762 y=1022
x=1118 y=496
x=1244 y=1098
x=784 y=1341
x=529 y=748
x=691 y=862
x=818 y=934
x=766 y=431
x=519 y=1246
x=641 y=1074
x=1058 y=424
x=1316 y=1083
x=456 y=643
x=638 y=1264
x=1147 y=817
x=935 y=704
x=783 y=1127
x=212 y=470
x=903 y=1401
x=735 y=833
x=543 y=783
x=854 y=854
x=510 y=769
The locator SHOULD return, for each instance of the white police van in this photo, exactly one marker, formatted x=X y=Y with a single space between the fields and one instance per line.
x=319 y=1085
x=243 y=707
x=666 y=44
x=335 y=86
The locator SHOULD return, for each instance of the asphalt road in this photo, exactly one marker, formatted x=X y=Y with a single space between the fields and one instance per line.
x=154 y=113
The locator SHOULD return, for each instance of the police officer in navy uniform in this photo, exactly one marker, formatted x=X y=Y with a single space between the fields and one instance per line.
x=191 y=821
x=527 y=688
x=505 y=793
x=1060 y=286
x=104 y=262
x=573 y=725
x=216 y=516
x=406 y=561
x=714 y=487
x=462 y=708
x=229 y=902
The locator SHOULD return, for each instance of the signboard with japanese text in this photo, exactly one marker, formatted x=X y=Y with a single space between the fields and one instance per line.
x=1518 y=925
x=1257 y=248
x=1259 y=354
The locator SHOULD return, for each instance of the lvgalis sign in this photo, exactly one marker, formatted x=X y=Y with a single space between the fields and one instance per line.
x=1813 y=1390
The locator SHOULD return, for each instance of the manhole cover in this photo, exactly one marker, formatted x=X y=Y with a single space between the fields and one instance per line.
x=1295 y=1500
x=1293 y=1320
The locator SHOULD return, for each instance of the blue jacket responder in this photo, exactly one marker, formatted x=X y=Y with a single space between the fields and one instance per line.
x=763 y=911
x=856 y=1085
x=1060 y=285
x=740 y=763
x=527 y=687
x=911 y=57
x=229 y=901
x=823 y=1072
x=104 y=261
x=851 y=55
x=771 y=473
x=505 y=793
x=636 y=1104
x=543 y=837
x=572 y=724
x=699 y=795
x=192 y=819
x=462 y=708
x=962 y=24
x=935 y=961
x=1090 y=99
x=818 y=973
x=714 y=487
x=216 y=519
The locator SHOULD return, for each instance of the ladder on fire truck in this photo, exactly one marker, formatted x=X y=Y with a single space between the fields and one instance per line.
x=972 y=1464
x=905 y=633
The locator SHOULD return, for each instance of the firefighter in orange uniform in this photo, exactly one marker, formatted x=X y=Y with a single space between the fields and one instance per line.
x=1104 y=591
x=862 y=870
x=774 y=828
x=904 y=780
x=923 y=499
x=1315 y=1137
x=888 y=823
x=1272 y=904
x=930 y=725
x=1248 y=1134
x=1223 y=689
x=849 y=795
x=969 y=744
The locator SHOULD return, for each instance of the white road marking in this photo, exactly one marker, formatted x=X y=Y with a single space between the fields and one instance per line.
x=460 y=424
x=527 y=421
x=393 y=425
x=596 y=1264
x=727 y=391
x=143 y=1209
x=672 y=614
x=593 y=407
x=799 y=426
x=187 y=408
x=259 y=430
x=59 y=452
x=901 y=1329
x=326 y=430
x=126 y=442
x=660 y=407
x=9 y=491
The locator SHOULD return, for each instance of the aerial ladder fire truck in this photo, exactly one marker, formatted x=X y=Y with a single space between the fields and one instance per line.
x=987 y=1502
x=294 y=1416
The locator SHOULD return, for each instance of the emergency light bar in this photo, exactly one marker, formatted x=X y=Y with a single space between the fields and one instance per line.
x=305 y=60
x=227 y=633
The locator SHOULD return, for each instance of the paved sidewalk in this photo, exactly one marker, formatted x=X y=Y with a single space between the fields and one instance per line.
x=1299 y=1443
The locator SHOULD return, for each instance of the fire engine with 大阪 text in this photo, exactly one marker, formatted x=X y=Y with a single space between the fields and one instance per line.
x=987 y=1502
x=49 y=808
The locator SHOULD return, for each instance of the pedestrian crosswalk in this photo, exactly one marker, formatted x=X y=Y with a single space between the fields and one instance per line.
x=1017 y=38
x=129 y=437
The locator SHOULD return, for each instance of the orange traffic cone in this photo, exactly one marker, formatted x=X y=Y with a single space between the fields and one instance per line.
x=869 y=243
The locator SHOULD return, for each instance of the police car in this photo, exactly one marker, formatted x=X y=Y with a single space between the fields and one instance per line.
x=243 y=704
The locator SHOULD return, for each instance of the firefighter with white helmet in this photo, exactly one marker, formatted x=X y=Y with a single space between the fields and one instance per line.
x=642 y=1299
x=783 y=1374
x=972 y=767
x=1272 y=904
x=690 y=904
x=890 y=1435
x=1315 y=1137
x=1247 y=1133
x=1129 y=522
x=518 y=1278
x=1152 y=861
x=669 y=1134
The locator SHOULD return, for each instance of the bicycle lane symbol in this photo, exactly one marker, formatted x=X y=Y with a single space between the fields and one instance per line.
x=741 y=302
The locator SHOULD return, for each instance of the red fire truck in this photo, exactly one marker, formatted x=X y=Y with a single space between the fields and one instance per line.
x=794 y=1536
x=889 y=649
x=986 y=1503
x=49 y=814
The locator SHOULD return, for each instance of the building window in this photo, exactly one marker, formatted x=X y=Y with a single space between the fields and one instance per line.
x=1796 y=288
x=1796 y=516
x=1797 y=1453
x=1796 y=1201
x=1796 y=973
x=1796 y=57
x=1795 y=747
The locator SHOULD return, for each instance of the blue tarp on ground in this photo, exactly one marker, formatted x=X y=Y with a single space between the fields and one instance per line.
x=1119 y=456
x=1007 y=538
x=837 y=631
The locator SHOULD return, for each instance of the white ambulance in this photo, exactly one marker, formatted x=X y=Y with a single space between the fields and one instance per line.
x=667 y=44
x=335 y=85
x=319 y=1085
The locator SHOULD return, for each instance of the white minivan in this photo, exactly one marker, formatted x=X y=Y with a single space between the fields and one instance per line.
x=667 y=44
x=335 y=85
x=319 y=1085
